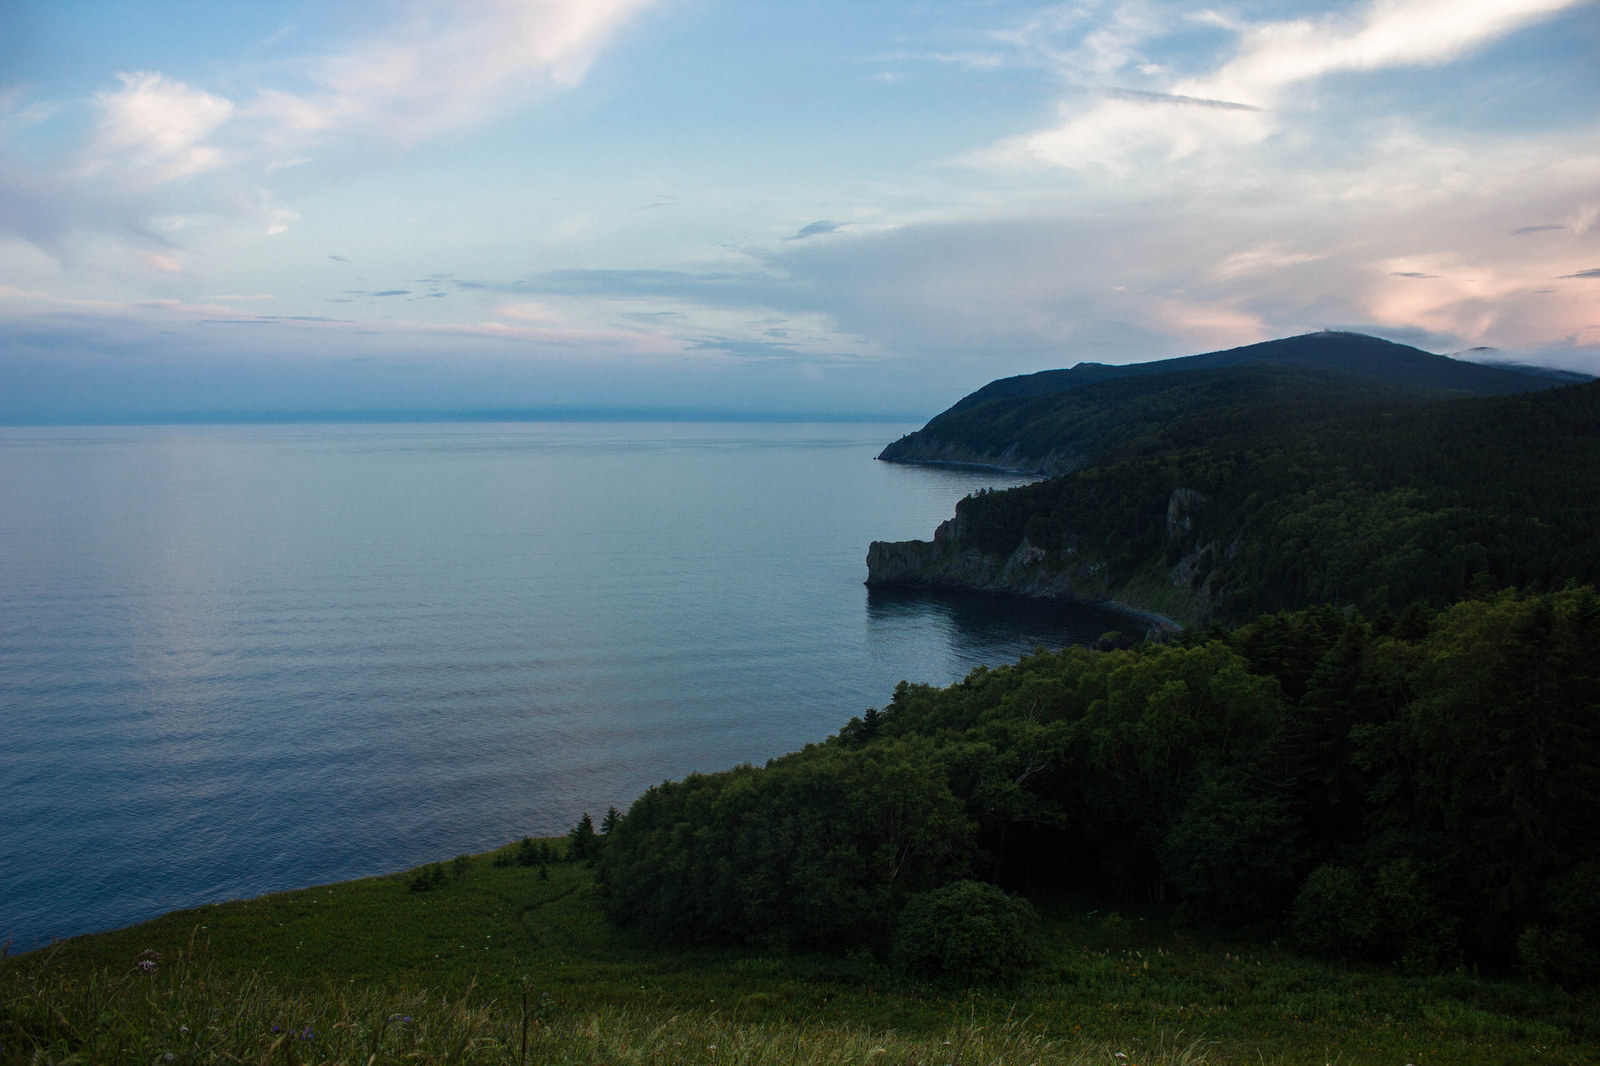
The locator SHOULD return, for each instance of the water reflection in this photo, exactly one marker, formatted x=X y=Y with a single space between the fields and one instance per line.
x=979 y=628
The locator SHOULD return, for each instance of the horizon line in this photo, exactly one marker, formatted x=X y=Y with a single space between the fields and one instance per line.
x=374 y=416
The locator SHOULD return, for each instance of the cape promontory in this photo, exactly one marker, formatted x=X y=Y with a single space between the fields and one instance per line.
x=1328 y=468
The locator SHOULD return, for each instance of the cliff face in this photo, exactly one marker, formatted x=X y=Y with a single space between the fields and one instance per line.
x=943 y=563
x=1068 y=575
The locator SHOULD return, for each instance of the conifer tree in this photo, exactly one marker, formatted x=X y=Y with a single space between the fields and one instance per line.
x=582 y=840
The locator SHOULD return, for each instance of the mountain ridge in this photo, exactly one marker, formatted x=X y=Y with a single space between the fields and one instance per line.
x=1056 y=421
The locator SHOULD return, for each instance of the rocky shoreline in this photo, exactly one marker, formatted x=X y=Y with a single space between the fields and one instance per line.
x=1029 y=572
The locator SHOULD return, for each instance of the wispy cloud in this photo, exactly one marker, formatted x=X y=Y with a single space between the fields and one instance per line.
x=1147 y=96
x=449 y=64
x=817 y=229
x=1248 y=88
x=154 y=130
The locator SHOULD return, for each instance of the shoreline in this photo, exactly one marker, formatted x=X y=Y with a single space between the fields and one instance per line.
x=953 y=464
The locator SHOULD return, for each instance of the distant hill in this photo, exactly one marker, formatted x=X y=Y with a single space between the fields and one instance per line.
x=1231 y=509
x=1056 y=421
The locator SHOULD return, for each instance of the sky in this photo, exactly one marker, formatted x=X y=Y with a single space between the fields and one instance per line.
x=780 y=208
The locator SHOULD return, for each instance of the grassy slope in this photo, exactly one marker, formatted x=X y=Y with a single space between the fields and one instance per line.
x=1111 y=981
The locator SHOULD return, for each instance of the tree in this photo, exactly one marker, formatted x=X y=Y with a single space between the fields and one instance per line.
x=582 y=842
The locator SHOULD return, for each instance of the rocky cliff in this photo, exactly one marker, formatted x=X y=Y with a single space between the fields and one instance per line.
x=1065 y=575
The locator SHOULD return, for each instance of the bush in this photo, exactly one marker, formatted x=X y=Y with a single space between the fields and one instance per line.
x=1567 y=949
x=1334 y=914
x=969 y=932
x=428 y=878
x=1389 y=915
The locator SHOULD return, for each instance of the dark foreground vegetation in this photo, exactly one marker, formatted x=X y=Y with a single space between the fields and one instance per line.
x=370 y=971
x=1422 y=790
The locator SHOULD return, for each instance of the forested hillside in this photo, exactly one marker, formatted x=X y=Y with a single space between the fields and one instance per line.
x=1422 y=789
x=1394 y=755
x=1059 y=420
x=1236 y=510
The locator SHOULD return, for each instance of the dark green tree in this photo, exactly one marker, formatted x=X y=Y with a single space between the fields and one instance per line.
x=582 y=841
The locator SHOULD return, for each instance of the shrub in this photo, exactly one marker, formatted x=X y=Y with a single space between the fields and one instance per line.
x=1389 y=914
x=428 y=878
x=1333 y=914
x=1567 y=948
x=969 y=932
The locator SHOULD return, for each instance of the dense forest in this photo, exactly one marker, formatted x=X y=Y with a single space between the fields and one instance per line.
x=1422 y=789
x=1393 y=754
x=1264 y=508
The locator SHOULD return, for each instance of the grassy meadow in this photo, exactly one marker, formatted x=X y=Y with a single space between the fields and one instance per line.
x=517 y=964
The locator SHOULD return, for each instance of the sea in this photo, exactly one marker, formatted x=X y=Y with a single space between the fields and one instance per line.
x=245 y=658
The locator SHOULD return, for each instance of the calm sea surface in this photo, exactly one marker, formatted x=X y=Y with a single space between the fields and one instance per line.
x=239 y=659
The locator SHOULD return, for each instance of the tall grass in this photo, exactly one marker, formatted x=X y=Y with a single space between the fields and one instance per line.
x=183 y=1010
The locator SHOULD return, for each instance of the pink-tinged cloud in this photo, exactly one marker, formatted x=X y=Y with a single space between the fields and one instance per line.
x=153 y=130
x=448 y=64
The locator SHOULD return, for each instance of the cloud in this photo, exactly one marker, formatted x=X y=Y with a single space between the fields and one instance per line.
x=441 y=67
x=1595 y=273
x=449 y=64
x=1146 y=96
x=393 y=292
x=153 y=129
x=1410 y=274
x=1267 y=258
x=817 y=229
x=1245 y=93
x=339 y=258
x=1522 y=230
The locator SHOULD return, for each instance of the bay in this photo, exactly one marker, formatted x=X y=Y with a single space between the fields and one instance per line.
x=236 y=659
